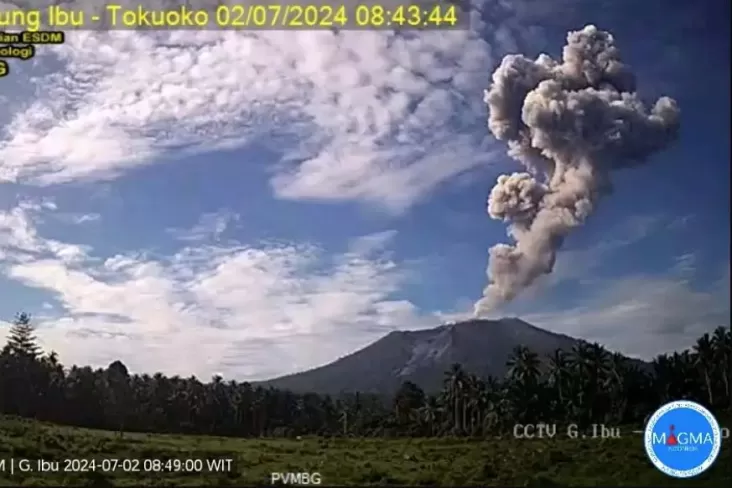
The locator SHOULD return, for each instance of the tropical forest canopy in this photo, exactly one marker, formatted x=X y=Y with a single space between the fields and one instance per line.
x=586 y=385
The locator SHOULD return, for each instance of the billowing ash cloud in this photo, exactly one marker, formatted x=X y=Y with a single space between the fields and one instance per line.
x=569 y=124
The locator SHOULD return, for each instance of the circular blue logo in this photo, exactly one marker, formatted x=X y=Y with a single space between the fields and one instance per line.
x=682 y=439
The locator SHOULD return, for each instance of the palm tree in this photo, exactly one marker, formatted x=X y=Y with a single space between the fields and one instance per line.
x=588 y=383
x=429 y=413
x=523 y=365
x=704 y=360
x=344 y=420
x=408 y=399
x=496 y=404
x=454 y=385
x=663 y=376
x=590 y=368
x=558 y=378
x=523 y=375
x=617 y=389
x=472 y=403
x=722 y=343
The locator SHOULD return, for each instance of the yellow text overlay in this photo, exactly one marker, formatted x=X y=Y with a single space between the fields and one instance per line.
x=391 y=14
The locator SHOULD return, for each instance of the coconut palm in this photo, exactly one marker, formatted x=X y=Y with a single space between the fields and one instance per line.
x=588 y=383
x=559 y=380
x=704 y=355
x=455 y=384
x=722 y=344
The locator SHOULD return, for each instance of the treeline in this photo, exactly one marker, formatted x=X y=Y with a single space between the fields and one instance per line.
x=586 y=385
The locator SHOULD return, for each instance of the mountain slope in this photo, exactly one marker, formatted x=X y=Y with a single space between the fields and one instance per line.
x=480 y=346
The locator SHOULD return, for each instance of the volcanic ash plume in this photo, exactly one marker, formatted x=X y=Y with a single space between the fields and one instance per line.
x=569 y=124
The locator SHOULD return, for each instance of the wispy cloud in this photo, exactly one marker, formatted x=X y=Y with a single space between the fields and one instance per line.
x=87 y=217
x=681 y=222
x=645 y=315
x=77 y=218
x=373 y=242
x=194 y=311
x=369 y=116
x=641 y=314
x=210 y=226
x=685 y=265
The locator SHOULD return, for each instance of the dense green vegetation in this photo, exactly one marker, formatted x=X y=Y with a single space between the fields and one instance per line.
x=462 y=434
x=446 y=461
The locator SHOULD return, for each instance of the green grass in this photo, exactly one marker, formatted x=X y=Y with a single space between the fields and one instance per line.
x=549 y=462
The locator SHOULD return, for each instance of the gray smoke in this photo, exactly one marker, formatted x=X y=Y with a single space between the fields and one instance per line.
x=569 y=124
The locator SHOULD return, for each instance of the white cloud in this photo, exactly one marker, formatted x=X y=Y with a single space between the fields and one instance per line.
x=643 y=315
x=80 y=218
x=19 y=240
x=359 y=115
x=367 y=116
x=681 y=222
x=637 y=314
x=202 y=309
x=210 y=226
x=685 y=265
x=373 y=242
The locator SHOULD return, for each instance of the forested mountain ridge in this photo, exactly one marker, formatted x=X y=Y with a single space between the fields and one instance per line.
x=586 y=384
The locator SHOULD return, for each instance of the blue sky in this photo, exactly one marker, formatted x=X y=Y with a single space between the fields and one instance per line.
x=253 y=204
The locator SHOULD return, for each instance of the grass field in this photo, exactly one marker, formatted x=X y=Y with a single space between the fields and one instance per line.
x=551 y=462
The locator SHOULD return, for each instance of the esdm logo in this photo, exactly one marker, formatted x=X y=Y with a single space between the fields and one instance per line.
x=682 y=439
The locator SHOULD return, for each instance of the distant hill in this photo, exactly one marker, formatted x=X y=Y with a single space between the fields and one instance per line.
x=480 y=346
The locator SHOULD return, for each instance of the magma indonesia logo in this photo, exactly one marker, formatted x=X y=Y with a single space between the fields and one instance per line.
x=682 y=439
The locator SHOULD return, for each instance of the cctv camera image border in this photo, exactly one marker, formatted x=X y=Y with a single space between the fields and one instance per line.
x=22 y=46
